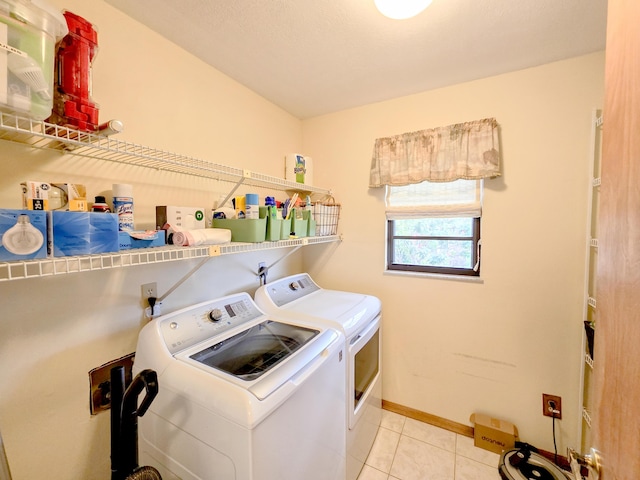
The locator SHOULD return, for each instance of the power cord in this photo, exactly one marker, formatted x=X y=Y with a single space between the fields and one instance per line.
x=263 y=270
x=152 y=303
x=554 y=411
x=555 y=447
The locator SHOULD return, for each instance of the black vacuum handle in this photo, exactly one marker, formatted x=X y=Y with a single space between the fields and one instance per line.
x=145 y=380
x=128 y=444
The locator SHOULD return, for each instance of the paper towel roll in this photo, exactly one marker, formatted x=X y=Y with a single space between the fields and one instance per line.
x=202 y=236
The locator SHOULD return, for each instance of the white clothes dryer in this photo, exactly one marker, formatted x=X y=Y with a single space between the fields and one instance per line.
x=358 y=317
x=242 y=395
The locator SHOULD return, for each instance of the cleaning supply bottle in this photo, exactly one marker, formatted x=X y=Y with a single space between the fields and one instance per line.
x=239 y=203
x=123 y=206
x=252 y=207
x=270 y=203
x=100 y=205
x=308 y=207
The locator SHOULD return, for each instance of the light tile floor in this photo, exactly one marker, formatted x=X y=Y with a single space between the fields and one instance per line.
x=407 y=449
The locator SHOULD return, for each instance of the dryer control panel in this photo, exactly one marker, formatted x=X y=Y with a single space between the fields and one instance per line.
x=291 y=288
x=190 y=326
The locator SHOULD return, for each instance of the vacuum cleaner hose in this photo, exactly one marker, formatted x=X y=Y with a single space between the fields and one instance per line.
x=145 y=473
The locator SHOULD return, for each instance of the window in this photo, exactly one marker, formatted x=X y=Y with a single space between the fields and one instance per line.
x=435 y=227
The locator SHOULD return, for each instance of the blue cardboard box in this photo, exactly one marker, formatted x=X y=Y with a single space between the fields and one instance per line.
x=82 y=233
x=23 y=234
x=129 y=240
x=103 y=232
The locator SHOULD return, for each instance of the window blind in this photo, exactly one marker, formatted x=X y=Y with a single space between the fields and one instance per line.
x=460 y=198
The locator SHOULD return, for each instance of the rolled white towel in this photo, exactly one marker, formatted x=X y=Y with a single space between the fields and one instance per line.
x=202 y=236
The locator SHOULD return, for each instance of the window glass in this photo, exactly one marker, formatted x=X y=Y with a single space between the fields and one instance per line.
x=435 y=227
x=444 y=227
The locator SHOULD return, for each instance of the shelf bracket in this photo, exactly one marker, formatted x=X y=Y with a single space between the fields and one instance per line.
x=183 y=279
x=232 y=191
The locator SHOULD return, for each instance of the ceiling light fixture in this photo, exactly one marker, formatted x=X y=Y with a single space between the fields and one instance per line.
x=401 y=9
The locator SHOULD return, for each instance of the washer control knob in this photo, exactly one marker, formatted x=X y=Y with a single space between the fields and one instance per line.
x=294 y=286
x=215 y=315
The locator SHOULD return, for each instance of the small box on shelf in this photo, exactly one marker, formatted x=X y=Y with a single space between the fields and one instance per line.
x=23 y=234
x=82 y=233
x=144 y=239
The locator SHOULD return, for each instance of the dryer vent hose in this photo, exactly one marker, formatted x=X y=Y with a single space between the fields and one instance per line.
x=145 y=473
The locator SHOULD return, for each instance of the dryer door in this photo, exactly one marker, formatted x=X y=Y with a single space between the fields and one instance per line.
x=364 y=372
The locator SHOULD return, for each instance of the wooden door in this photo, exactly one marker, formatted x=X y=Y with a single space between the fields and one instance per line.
x=617 y=365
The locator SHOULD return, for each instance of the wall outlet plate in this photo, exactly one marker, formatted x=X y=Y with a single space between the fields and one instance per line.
x=100 y=383
x=551 y=403
x=149 y=290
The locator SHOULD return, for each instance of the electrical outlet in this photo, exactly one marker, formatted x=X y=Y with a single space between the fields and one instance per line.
x=149 y=290
x=551 y=406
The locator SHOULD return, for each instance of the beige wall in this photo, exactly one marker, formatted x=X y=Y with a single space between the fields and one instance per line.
x=455 y=347
x=54 y=330
x=511 y=338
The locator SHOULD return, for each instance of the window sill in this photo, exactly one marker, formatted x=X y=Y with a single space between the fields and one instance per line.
x=437 y=276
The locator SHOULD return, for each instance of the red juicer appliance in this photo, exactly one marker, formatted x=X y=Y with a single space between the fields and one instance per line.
x=72 y=104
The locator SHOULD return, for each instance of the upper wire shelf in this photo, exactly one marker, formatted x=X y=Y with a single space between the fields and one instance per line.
x=39 y=134
x=43 y=135
x=143 y=256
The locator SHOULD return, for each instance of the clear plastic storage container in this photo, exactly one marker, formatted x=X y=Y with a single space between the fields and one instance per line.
x=29 y=30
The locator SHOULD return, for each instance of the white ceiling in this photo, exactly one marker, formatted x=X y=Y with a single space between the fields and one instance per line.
x=313 y=57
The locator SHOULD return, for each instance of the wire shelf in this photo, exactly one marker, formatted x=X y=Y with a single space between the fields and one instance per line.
x=39 y=134
x=234 y=247
x=43 y=135
x=587 y=416
x=47 y=267
x=588 y=360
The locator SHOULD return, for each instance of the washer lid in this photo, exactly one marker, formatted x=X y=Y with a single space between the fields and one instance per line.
x=251 y=353
x=231 y=367
x=535 y=467
x=298 y=295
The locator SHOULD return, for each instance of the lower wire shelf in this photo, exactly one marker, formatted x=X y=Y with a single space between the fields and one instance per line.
x=85 y=263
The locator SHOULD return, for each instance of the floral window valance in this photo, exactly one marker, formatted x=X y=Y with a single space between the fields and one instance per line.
x=468 y=150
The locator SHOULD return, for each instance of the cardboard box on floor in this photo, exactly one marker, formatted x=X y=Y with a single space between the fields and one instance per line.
x=493 y=434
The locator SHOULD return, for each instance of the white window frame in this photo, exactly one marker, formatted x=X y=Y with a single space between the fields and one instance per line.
x=459 y=199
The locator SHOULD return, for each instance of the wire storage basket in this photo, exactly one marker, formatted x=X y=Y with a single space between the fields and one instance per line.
x=326 y=214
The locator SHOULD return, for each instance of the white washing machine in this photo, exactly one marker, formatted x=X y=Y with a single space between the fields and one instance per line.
x=242 y=395
x=357 y=316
